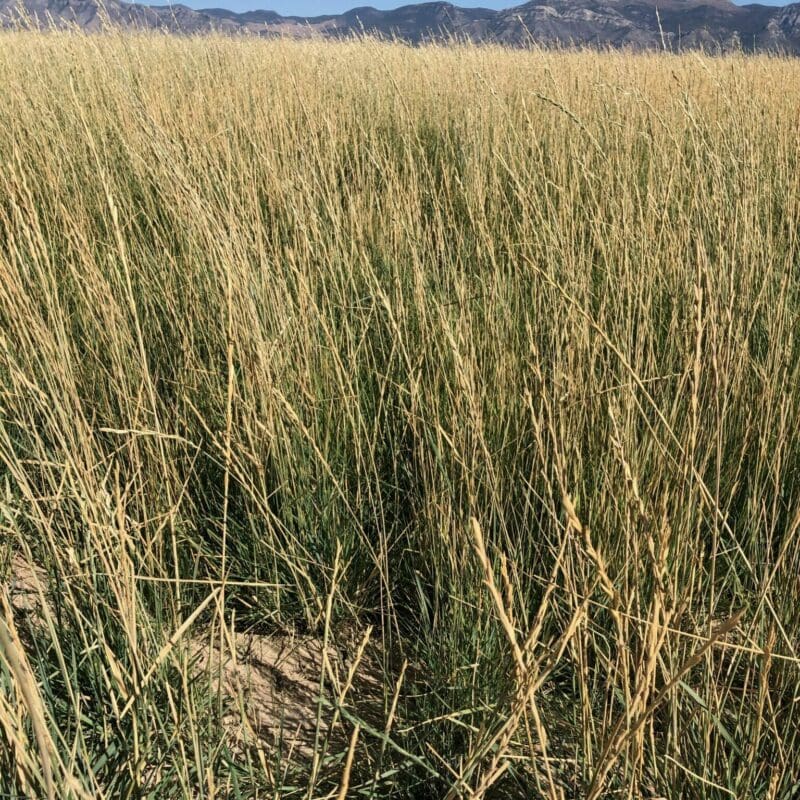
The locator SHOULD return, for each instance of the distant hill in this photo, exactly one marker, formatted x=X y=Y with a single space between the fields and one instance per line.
x=638 y=24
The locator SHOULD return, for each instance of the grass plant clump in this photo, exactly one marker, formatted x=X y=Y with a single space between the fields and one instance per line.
x=472 y=373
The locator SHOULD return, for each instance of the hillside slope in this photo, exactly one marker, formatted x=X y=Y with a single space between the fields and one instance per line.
x=637 y=24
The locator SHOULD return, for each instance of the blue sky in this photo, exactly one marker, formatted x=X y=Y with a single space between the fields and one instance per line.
x=309 y=8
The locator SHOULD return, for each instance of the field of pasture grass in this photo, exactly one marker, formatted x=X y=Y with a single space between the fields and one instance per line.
x=390 y=422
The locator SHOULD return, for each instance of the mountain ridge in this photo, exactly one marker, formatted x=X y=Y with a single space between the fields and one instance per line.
x=717 y=25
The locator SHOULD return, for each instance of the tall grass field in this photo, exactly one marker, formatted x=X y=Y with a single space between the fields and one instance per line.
x=380 y=422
